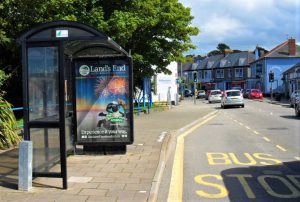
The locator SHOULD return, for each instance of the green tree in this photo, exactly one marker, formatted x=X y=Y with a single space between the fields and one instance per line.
x=156 y=32
x=220 y=49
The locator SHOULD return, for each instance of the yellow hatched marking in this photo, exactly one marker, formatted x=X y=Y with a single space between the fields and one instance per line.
x=281 y=148
x=248 y=127
x=241 y=124
x=176 y=184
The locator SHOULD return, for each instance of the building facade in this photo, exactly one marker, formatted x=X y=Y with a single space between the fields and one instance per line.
x=278 y=60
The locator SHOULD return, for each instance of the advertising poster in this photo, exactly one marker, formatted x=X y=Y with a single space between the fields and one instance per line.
x=103 y=101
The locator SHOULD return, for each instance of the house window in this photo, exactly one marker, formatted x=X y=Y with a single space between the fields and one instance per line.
x=222 y=63
x=219 y=73
x=238 y=72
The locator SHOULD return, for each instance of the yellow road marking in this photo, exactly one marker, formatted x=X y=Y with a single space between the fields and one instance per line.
x=235 y=120
x=248 y=127
x=257 y=133
x=267 y=139
x=297 y=158
x=241 y=124
x=281 y=148
x=176 y=184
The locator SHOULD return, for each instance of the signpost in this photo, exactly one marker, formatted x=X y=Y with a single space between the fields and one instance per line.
x=195 y=81
x=271 y=80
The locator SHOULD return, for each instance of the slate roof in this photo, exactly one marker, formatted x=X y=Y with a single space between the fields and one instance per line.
x=292 y=69
x=282 y=50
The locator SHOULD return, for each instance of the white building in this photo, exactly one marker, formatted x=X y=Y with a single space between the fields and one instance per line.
x=165 y=83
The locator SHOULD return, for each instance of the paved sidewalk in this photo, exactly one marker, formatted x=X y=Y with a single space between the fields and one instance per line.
x=282 y=101
x=95 y=177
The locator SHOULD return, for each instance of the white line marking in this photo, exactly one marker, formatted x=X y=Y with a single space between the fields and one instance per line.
x=161 y=137
x=267 y=139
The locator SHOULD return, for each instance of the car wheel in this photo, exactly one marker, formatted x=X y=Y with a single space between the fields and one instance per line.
x=209 y=102
x=243 y=106
x=297 y=111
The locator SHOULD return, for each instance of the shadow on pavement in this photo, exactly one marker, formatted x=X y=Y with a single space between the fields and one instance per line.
x=274 y=183
x=290 y=117
x=9 y=169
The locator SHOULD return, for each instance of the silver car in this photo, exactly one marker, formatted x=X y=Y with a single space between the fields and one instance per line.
x=232 y=98
x=294 y=96
x=214 y=96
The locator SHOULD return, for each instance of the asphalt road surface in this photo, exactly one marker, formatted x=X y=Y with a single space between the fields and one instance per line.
x=237 y=154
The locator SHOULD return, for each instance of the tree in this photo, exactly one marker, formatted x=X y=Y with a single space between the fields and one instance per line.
x=155 y=31
x=222 y=46
x=220 y=49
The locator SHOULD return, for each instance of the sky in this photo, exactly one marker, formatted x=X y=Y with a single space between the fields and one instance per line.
x=243 y=24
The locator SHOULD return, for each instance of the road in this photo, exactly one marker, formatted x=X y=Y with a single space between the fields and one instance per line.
x=237 y=154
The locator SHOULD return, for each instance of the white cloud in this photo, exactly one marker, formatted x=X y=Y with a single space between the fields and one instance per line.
x=244 y=23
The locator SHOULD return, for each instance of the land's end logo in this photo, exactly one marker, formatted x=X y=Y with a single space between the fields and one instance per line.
x=84 y=70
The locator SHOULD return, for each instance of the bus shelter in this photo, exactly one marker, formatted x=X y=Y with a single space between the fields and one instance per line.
x=77 y=89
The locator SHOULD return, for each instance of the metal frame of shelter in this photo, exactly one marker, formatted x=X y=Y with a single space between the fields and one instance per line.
x=47 y=53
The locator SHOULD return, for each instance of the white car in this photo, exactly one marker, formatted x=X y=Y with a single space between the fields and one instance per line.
x=232 y=98
x=215 y=96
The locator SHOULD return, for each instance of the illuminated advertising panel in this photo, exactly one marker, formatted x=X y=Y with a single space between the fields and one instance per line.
x=103 y=101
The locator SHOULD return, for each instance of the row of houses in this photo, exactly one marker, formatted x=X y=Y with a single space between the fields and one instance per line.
x=247 y=69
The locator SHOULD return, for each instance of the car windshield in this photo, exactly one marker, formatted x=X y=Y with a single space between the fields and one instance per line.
x=255 y=91
x=233 y=93
x=215 y=92
x=201 y=91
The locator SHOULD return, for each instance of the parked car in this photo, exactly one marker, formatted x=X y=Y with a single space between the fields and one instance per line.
x=200 y=94
x=255 y=93
x=215 y=96
x=293 y=97
x=188 y=93
x=297 y=107
x=246 y=93
x=232 y=98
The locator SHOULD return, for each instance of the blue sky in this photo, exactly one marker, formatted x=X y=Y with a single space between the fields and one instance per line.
x=243 y=24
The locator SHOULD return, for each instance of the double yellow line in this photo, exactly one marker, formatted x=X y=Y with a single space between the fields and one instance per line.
x=176 y=185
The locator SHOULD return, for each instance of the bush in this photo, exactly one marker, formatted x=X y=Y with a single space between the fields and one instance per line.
x=8 y=133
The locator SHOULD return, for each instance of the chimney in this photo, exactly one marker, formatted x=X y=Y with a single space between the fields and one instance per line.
x=292 y=46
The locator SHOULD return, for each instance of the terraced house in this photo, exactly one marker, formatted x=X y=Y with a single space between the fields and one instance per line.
x=246 y=69
x=222 y=71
